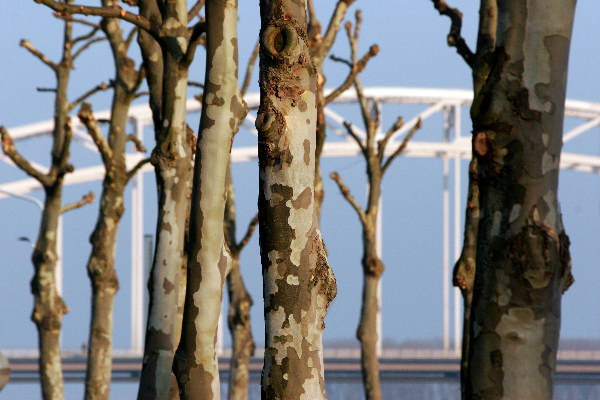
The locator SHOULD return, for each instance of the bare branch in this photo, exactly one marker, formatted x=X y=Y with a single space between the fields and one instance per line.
x=195 y=10
x=27 y=44
x=86 y=199
x=87 y=118
x=195 y=39
x=101 y=87
x=248 y=235
x=402 y=146
x=196 y=84
x=249 y=69
x=382 y=144
x=130 y=37
x=108 y=12
x=43 y=89
x=341 y=60
x=314 y=26
x=131 y=173
x=87 y=36
x=141 y=94
x=66 y=17
x=132 y=3
x=139 y=146
x=354 y=71
x=454 y=37
x=11 y=151
x=348 y=196
x=86 y=45
x=354 y=136
x=334 y=25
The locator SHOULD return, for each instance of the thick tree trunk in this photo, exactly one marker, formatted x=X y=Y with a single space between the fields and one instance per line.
x=196 y=365
x=298 y=283
x=523 y=261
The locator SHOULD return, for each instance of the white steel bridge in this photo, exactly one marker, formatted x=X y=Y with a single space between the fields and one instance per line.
x=454 y=145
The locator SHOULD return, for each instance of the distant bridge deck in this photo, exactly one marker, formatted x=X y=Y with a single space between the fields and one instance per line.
x=410 y=365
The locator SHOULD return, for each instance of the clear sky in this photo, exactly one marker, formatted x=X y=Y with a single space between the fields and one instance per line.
x=413 y=52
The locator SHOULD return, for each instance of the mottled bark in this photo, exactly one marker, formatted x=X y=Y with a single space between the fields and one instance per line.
x=100 y=267
x=240 y=301
x=223 y=109
x=522 y=253
x=298 y=283
x=167 y=60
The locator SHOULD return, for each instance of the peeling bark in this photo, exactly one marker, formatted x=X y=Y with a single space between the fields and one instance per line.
x=522 y=255
x=101 y=264
x=167 y=75
x=298 y=283
x=196 y=364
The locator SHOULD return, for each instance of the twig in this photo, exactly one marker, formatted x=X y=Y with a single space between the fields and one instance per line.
x=101 y=87
x=354 y=71
x=454 y=37
x=195 y=39
x=196 y=84
x=130 y=37
x=139 y=146
x=86 y=45
x=69 y=18
x=348 y=196
x=87 y=118
x=27 y=44
x=195 y=10
x=43 y=89
x=87 y=36
x=381 y=144
x=402 y=146
x=249 y=69
x=10 y=150
x=109 y=12
x=131 y=173
x=249 y=231
x=86 y=199
x=354 y=136
x=334 y=25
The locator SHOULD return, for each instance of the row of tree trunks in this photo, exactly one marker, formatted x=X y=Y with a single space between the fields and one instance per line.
x=223 y=109
x=514 y=229
x=298 y=284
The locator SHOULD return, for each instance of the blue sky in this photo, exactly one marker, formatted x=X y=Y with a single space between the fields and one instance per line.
x=411 y=36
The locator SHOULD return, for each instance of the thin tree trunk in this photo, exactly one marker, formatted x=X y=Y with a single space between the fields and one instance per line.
x=298 y=283
x=101 y=269
x=523 y=261
x=223 y=109
x=48 y=305
x=167 y=76
x=240 y=301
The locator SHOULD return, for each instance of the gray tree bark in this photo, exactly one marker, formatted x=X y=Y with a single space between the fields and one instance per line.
x=298 y=283
x=196 y=364
x=522 y=251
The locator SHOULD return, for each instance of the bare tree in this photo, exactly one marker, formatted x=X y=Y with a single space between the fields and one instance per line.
x=49 y=307
x=101 y=264
x=374 y=153
x=298 y=283
x=522 y=251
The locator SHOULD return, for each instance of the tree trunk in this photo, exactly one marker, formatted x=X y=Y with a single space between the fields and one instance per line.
x=49 y=307
x=523 y=261
x=240 y=301
x=167 y=76
x=223 y=109
x=368 y=332
x=101 y=264
x=298 y=283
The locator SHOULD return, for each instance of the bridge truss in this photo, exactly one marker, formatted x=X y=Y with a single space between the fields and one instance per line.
x=455 y=145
